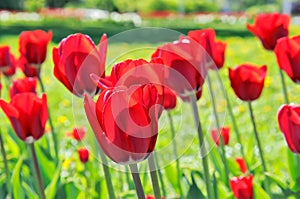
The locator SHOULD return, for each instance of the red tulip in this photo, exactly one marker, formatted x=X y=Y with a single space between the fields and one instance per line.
x=75 y=59
x=169 y=99
x=83 y=155
x=247 y=81
x=242 y=164
x=185 y=67
x=33 y=46
x=7 y=61
x=28 y=115
x=242 y=187
x=288 y=56
x=289 y=123
x=29 y=70
x=22 y=86
x=125 y=122
x=207 y=39
x=269 y=28
x=224 y=133
x=77 y=133
x=152 y=197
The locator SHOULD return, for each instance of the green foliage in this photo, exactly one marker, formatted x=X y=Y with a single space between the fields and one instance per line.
x=34 y=5
x=257 y=9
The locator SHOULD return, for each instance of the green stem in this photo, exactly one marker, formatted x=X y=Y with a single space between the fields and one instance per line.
x=193 y=102
x=37 y=172
x=129 y=182
x=215 y=186
x=223 y=154
x=137 y=181
x=8 y=186
x=235 y=127
x=175 y=153
x=153 y=174
x=284 y=90
x=161 y=179
x=261 y=153
x=87 y=181
x=50 y=121
x=107 y=176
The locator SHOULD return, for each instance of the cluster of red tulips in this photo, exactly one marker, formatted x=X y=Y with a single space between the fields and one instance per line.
x=131 y=99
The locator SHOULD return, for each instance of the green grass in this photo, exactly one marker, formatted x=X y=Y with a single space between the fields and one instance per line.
x=67 y=112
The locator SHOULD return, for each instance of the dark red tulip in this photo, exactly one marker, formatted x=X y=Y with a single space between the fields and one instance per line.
x=247 y=81
x=29 y=70
x=287 y=52
x=224 y=133
x=169 y=99
x=289 y=123
x=125 y=122
x=7 y=61
x=22 y=86
x=75 y=59
x=242 y=164
x=33 y=46
x=77 y=133
x=186 y=71
x=269 y=28
x=28 y=115
x=83 y=155
x=242 y=187
x=215 y=49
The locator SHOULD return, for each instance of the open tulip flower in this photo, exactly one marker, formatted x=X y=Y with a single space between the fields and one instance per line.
x=224 y=131
x=125 y=122
x=186 y=70
x=7 y=61
x=215 y=49
x=287 y=52
x=289 y=123
x=269 y=28
x=242 y=187
x=28 y=115
x=75 y=59
x=247 y=81
x=27 y=84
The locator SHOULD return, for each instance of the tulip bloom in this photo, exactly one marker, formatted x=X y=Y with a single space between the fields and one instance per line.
x=242 y=164
x=22 y=86
x=33 y=46
x=269 y=28
x=83 y=155
x=169 y=99
x=152 y=197
x=184 y=60
x=77 y=133
x=28 y=115
x=7 y=61
x=287 y=52
x=125 y=122
x=247 y=81
x=207 y=39
x=224 y=133
x=75 y=59
x=289 y=123
x=242 y=187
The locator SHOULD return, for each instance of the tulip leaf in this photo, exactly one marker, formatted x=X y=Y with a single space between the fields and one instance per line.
x=71 y=190
x=283 y=185
x=292 y=163
x=194 y=192
x=295 y=186
x=16 y=181
x=51 y=188
x=3 y=191
x=170 y=173
x=259 y=192
x=29 y=192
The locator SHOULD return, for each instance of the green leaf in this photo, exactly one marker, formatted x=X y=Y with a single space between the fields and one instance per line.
x=51 y=188
x=194 y=192
x=171 y=173
x=292 y=163
x=29 y=192
x=283 y=185
x=259 y=192
x=16 y=181
x=233 y=167
x=71 y=190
